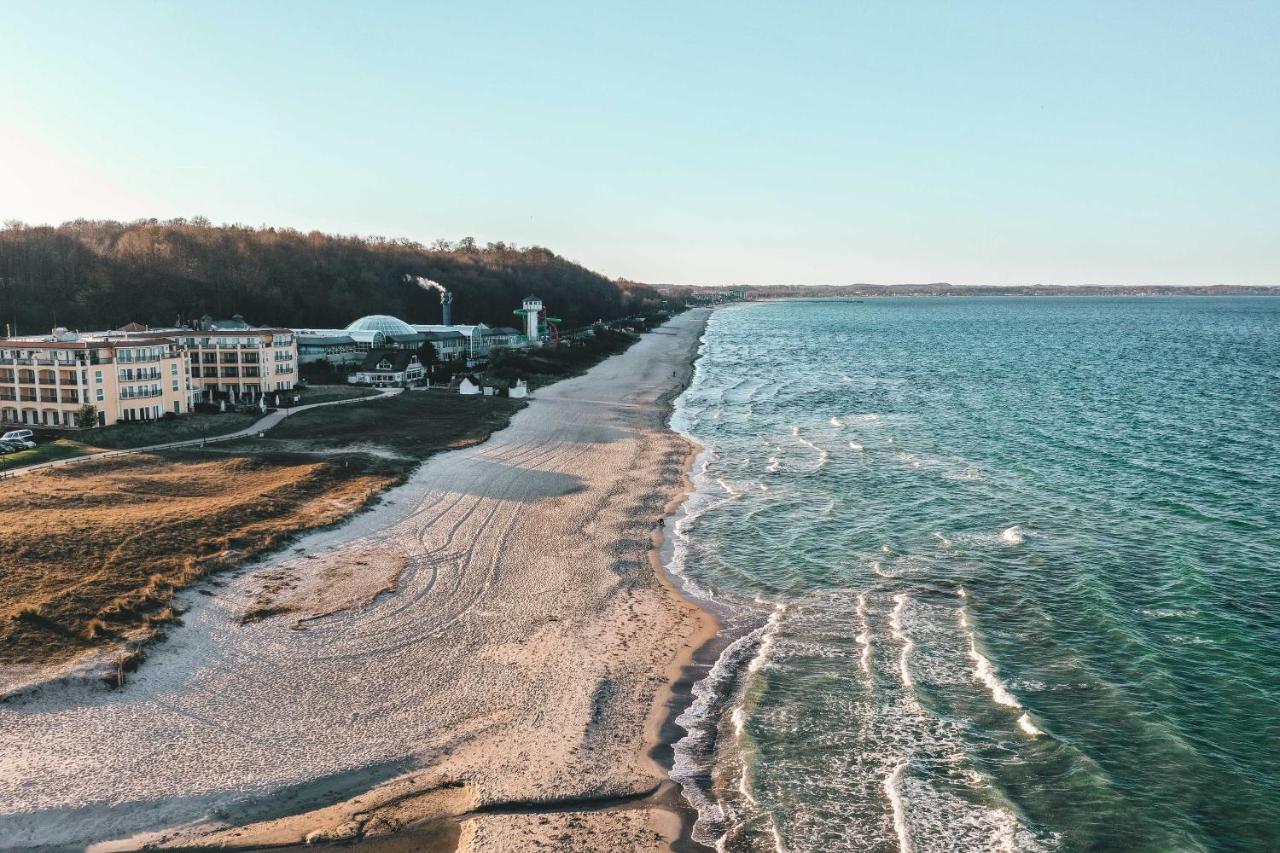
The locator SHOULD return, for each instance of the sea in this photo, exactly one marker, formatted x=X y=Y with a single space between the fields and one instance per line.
x=994 y=574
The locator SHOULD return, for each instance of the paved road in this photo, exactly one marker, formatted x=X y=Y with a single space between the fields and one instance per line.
x=266 y=423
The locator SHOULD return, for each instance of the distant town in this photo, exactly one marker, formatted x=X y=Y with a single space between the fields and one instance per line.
x=87 y=379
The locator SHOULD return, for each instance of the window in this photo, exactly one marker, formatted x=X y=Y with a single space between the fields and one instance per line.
x=97 y=377
x=173 y=368
x=100 y=397
x=175 y=385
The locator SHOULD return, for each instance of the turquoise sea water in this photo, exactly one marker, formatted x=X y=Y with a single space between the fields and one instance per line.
x=1003 y=574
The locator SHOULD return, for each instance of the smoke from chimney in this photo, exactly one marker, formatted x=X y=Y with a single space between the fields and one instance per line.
x=446 y=298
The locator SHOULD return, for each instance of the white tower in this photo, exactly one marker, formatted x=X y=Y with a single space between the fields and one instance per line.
x=532 y=308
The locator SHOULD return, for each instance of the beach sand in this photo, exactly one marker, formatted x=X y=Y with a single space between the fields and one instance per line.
x=498 y=683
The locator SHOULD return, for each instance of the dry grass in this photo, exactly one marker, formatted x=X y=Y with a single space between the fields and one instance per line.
x=90 y=554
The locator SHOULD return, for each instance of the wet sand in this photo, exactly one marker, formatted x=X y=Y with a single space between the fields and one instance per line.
x=506 y=692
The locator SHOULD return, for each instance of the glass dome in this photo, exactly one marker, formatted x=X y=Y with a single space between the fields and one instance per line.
x=381 y=323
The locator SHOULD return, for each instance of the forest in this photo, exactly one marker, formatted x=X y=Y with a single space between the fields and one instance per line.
x=104 y=274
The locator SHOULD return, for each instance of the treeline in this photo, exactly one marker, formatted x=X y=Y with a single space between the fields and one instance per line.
x=103 y=274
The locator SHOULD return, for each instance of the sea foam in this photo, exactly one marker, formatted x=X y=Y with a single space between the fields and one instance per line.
x=984 y=672
x=899 y=634
x=1012 y=535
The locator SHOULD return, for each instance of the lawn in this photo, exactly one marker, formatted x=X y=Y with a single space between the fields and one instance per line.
x=167 y=430
x=414 y=423
x=62 y=448
x=329 y=393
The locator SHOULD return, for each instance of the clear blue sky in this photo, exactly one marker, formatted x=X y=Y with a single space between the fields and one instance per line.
x=1108 y=142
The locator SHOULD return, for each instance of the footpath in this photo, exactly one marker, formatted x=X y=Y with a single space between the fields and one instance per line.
x=262 y=425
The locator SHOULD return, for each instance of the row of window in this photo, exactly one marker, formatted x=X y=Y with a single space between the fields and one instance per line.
x=248 y=343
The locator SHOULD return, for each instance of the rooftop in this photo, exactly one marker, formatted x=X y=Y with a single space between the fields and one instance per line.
x=384 y=323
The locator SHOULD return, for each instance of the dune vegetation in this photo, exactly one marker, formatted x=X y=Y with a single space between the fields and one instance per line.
x=93 y=554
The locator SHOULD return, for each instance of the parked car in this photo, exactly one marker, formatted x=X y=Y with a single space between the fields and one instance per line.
x=14 y=445
x=18 y=435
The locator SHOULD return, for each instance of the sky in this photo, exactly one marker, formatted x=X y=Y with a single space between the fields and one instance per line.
x=694 y=143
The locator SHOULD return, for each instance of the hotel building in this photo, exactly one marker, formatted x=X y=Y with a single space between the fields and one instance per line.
x=47 y=380
x=231 y=360
x=136 y=373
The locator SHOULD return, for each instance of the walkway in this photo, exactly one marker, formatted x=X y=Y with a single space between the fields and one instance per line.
x=256 y=427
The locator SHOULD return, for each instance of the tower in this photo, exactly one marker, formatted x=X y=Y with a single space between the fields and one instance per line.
x=532 y=308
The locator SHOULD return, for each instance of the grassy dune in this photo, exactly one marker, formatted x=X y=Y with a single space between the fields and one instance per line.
x=92 y=554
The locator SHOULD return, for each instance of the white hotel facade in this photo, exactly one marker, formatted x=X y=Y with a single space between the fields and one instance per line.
x=135 y=373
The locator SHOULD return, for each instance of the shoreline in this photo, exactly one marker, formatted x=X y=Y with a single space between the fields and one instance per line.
x=537 y=548
x=671 y=702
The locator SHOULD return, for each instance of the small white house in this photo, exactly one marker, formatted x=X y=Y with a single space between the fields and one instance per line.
x=518 y=391
x=466 y=386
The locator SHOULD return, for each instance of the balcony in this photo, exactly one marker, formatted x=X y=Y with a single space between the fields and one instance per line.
x=70 y=397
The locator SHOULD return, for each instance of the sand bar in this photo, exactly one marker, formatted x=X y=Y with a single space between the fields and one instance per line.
x=520 y=658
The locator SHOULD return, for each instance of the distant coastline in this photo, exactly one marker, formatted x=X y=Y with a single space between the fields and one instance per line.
x=871 y=291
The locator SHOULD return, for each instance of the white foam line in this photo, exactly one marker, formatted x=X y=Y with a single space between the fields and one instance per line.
x=767 y=640
x=895 y=625
x=985 y=672
x=823 y=455
x=892 y=789
x=853 y=445
x=864 y=636
x=739 y=719
x=836 y=422
x=732 y=492
x=778 y=845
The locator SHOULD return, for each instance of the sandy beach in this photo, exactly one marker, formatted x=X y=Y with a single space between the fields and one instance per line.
x=482 y=661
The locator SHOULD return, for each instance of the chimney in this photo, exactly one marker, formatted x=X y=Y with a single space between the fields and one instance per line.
x=446 y=308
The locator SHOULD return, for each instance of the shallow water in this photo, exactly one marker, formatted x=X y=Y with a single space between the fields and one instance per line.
x=1005 y=572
